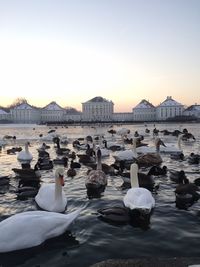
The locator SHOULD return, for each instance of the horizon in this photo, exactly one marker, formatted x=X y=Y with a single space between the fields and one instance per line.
x=125 y=51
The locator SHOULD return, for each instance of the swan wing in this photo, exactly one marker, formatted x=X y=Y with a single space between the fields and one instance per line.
x=29 y=229
x=139 y=198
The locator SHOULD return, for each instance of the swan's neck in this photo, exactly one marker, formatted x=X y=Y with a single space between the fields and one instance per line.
x=26 y=148
x=134 y=176
x=157 y=143
x=99 y=165
x=58 y=190
x=179 y=142
x=134 y=147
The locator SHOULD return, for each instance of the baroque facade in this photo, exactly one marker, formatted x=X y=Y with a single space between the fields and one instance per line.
x=144 y=111
x=98 y=109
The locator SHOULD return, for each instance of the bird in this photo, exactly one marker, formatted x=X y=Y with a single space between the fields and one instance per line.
x=27 y=173
x=25 y=156
x=4 y=180
x=137 y=198
x=186 y=193
x=128 y=154
x=32 y=228
x=51 y=197
x=177 y=176
x=96 y=180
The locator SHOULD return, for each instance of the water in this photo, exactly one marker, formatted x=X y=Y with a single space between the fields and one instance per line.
x=172 y=232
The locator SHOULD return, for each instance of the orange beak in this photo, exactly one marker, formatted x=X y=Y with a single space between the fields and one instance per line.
x=62 y=182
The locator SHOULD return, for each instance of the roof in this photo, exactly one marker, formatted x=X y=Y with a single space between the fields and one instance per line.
x=2 y=112
x=98 y=99
x=169 y=102
x=24 y=106
x=193 y=107
x=53 y=106
x=144 y=104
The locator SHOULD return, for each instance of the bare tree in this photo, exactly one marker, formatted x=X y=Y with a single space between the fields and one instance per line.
x=18 y=101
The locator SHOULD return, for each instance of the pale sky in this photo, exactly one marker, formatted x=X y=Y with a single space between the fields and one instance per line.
x=70 y=51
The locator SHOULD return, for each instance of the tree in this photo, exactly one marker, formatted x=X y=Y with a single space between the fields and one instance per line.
x=18 y=101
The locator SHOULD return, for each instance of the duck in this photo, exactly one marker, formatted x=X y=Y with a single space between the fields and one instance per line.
x=59 y=150
x=186 y=193
x=61 y=161
x=31 y=228
x=138 y=198
x=177 y=176
x=4 y=180
x=75 y=165
x=71 y=172
x=96 y=180
x=51 y=197
x=113 y=145
x=28 y=173
x=157 y=171
x=25 y=156
x=193 y=158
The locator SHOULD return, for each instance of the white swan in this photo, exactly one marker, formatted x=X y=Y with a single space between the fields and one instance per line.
x=173 y=149
x=151 y=149
x=50 y=197
x=32 y=228
x=25 y=156
x=137 y=197
x=128 y=154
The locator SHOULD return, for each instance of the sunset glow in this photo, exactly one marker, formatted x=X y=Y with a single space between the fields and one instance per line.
x=124 y=51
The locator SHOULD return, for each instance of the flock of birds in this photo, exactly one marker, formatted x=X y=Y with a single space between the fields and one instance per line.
x=129 y=154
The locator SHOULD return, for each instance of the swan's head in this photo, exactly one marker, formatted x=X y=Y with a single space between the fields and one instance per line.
x=159 y=142
x=27 y=144
x=59 y=176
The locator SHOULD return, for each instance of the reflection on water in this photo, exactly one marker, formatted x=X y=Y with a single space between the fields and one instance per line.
x=171 y=231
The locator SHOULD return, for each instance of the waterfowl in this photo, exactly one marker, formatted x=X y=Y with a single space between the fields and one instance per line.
x=177 y=176
x=87 y=158
x=25 y=156
x=113 y=145
x=150 y=159
x=27 y=173
x=129 y=154
x=75 y=165
x=136 y=197
x=186 y=193
x=173 y=149
x=4 y=180
x=61 y=161
x=71 y=172
x=144 y=180
x=13 y=150
x=45 y=164
x=157 y=171
x=51 y=197
x=59 y=150
x=193 y=158
x=32 y=228
x=96 y=180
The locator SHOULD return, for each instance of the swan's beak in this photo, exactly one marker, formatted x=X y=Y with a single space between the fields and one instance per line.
x=61 y=177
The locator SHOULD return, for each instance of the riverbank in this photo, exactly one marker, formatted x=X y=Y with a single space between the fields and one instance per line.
x=150 y=262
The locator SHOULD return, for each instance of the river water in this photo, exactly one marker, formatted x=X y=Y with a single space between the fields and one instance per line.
x=172 y=232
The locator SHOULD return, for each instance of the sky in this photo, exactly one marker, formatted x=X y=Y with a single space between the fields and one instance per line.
x=70 y=51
